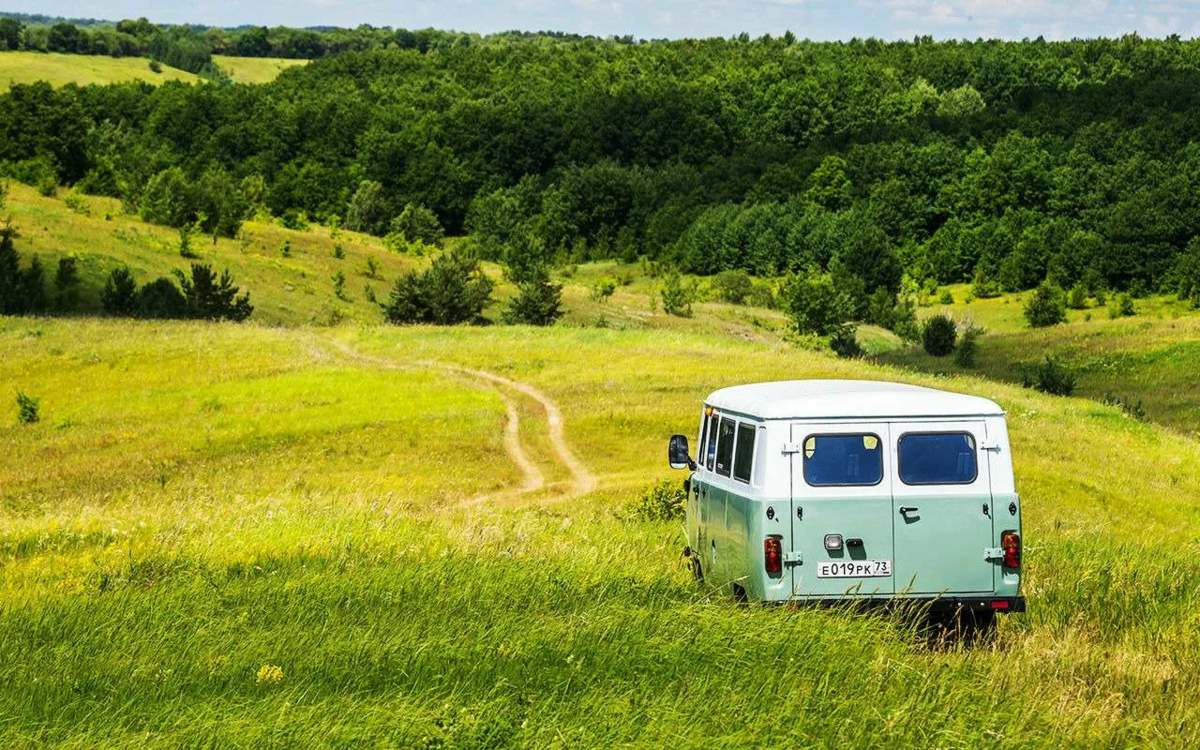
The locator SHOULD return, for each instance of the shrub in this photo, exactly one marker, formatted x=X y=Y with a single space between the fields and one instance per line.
x=733 y=287
x=603 y=289
x=537 y=301
x=677 y=296
x=984 y=287
x=338 y=251
x=844 y=343
x=453 y=290
x=159 y=300
x=418 y=224
x=47 y=186
x=939 y=336
x=946 y=297
x=28 y=408
x=294 y=219
x=285 y=250
x=371 y=268
x=817 y=308
x=155 y=66
x=968 y=346
x=1122 y=306
x=665 y=501
x=1049 y=377
x=1046 y=307
x=339 y=286
x=119 y=296
x=368 y=209
x=210 y=297
x=66 y=282
x=1077 y=297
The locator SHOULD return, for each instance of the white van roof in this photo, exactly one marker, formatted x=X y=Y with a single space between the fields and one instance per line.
x=847 y=399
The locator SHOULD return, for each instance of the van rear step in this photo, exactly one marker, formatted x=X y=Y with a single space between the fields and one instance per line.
x=941 y=605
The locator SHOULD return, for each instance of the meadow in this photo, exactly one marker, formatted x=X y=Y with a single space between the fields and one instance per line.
x=253 y=70
x=59 y=69
x=240 y=536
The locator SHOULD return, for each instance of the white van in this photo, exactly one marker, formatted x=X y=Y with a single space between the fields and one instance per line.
x=824 y=490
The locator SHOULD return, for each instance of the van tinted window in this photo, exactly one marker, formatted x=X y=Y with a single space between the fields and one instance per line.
x=725 y=446
x=743 y=458
x=937 y=458
x=831 y=460
x=710 y=447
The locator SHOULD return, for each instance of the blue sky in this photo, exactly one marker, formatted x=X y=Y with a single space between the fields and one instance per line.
x=816 y=19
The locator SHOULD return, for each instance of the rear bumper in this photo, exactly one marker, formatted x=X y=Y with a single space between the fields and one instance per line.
x=940 y=605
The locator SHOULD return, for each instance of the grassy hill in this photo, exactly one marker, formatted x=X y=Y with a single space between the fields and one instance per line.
x=242 y=535
x=59 y=69
x=254 y=69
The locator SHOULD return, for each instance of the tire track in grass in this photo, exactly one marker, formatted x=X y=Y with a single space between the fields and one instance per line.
x=582 y=481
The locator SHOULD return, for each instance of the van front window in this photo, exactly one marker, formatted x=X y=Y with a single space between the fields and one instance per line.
x=843 y=460
x=937 y=458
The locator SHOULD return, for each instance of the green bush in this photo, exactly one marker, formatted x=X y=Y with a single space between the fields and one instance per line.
x=28 y=408
x=1133 y=409
x=677 y=296
x=939 y=336
x=339 y=286
x=66 y=282
x=210 y=297
x=160 y=300
x=946 y=297
x=418 y=224
x=537 y=302
x=1049 y=377
x=120 y=293
x=1122 y=306
x=665 y=501
x=968 y=347
x=453 y=290
x=47 y=186
x=1046 y=307
x=1077 y=297
x=603 y=289
x=734 y=287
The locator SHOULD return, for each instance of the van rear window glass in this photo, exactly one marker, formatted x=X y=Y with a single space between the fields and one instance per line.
x=843 y=460
x=937 y=458
x=725 y=446
x=743 y=458
x=710 y=447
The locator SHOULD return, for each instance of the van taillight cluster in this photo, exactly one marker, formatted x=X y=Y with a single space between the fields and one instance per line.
x=1010 y=542
x=773 y=554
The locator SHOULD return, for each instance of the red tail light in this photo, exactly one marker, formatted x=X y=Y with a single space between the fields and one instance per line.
x=773 y=555
x=1010 y=541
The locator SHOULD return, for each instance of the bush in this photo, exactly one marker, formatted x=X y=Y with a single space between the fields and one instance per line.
x=733 y=287
x=603 y=289
x=1077 y=297
x=1135 y=410
x=368 y=209
x=155 y=66
x=537 y=301
x=968 y=347
x=677 y=296
x=120 y=293
x=210 y=297
x=28 y=408
x=338 y=251
x=21 y=291
x=66 y=282
x=665 y=501
x=939 y=336
x=160 y=300
x=817 y=308
x=418 y=224
x=371 y=268
x=984 y=287
x=946 y=297
x=453 y=290
x=1046 y=307
x=339 y=286
x=1049 y=377
x=1122 y=306
x=47 y=186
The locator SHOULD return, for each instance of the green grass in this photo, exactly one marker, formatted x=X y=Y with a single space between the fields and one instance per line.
x=59 y=69
x=203 y=501
x=254 y=69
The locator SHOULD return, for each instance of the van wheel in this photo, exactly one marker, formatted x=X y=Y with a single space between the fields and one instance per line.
x=697 y=571
x=739 y=594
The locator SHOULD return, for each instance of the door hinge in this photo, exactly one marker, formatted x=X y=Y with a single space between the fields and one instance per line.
x=993 y=553
x=793 y=558
x=989 y=445
x=791 y=448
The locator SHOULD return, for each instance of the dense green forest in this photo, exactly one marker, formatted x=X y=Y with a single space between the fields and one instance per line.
x=1003 y=162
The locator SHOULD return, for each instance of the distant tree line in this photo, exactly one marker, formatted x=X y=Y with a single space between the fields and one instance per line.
x=870 y=164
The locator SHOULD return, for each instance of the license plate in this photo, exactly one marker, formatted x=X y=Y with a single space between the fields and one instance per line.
x=854 y=568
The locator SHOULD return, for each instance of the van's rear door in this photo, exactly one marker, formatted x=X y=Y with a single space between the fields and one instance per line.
x=942 y=508
x=841 y=489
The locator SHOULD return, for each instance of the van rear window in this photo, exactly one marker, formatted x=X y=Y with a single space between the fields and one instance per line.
x=843 y=460
x=937 y=458
x=743 y=459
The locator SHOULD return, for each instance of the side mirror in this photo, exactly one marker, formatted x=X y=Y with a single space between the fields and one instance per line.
x=677 y=453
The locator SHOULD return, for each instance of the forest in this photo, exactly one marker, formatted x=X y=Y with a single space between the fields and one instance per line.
x=1002 y=163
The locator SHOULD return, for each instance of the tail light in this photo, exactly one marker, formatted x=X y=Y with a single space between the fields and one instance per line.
x=773 y=555
x=1010 y=542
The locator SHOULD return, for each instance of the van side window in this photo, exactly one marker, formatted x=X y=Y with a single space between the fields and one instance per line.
x=843 y=460
x=710 y=448
x=937 y=458
x=743 y=457
x=725 y=446
x=703 y=439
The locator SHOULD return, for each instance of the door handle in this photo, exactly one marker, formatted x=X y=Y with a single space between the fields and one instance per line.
x=906 y=509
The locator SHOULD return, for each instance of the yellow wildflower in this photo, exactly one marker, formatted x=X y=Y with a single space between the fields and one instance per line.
x=268 y=673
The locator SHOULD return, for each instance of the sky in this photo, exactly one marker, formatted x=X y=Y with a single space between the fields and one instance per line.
x=651 y=19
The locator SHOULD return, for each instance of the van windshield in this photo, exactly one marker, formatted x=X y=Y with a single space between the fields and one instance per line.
x=843 y=460
x=937 y=458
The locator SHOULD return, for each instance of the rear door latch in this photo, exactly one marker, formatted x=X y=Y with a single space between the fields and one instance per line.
x=993 y=553
x=793 y=558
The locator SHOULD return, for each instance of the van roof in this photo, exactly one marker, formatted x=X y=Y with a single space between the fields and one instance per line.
x=847 y=399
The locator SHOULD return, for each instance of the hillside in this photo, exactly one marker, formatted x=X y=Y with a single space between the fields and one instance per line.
x=217 y=526
x=59 y=69
x=252 y=70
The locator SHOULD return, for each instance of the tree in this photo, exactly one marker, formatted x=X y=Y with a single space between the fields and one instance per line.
x=10 y=271
x=120 y=294
x=939 y=336
x=1046 y=306
x=418 y=224
x=452 y=290
x=537 y=302
x=368 y=209
x=816 y=307
x=209 y=297
x=161 y=300
x=733 y=286
x=66 y=282
x=10 y=33
x=829 y=186
x=677 y=296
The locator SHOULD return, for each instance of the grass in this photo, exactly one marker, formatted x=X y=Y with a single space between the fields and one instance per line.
x=254 y=69
x=59 y=69
x=229 y=535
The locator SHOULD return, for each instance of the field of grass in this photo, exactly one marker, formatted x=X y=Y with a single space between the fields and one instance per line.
x=254 y=69
x=1151 y=358
x=59 y=69
x=235 y=536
